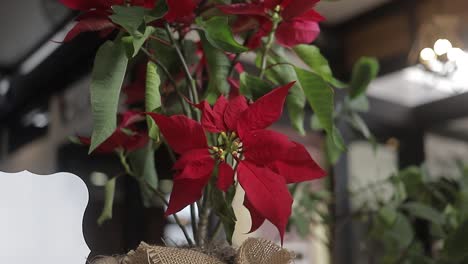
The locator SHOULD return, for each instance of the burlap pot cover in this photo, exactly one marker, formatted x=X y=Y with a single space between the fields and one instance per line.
x=253 y=251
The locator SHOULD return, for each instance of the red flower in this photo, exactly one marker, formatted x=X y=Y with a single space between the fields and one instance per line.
x=267 y=161
x=126 y=136
x=299 y=21
x=86 y=5
x=181 y=10
x=96 y=13
x=196 y=163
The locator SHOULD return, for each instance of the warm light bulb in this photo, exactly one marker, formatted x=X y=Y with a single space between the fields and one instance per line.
x=442 y=46
x=454 y=54
x=427 y=54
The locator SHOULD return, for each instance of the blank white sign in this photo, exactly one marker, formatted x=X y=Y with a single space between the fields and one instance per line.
x=41 y=218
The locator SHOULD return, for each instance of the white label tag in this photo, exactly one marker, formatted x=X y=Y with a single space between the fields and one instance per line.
x=41 y=218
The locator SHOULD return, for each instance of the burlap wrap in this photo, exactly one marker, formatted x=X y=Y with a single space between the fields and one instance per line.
x=253 y=251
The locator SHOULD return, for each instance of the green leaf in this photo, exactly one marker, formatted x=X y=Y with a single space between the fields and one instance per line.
x=219 y=34
x=295 y=102
x=456 y=244
x=312 y=56
x=402 y=231
x=302 y=224
x=108 y=202
x=359 y=104
x=358 y=123
x=129 y=17
x=333 y=152
x=165 y=186
x=282 y=74
x=152 y=94
x=315 y=123
x=158 y=12
x=365 y=70
x=412 y=180
x=315 y=60
x=152 y=98
x=253 y=87
x=338 y=139
x=106 y=82
x=399 y=190
x=423 y=211
x=320 y=96
x=144 y=168
x=219 y=68
x=224 y=211
x=134 y=44
x=388 y=214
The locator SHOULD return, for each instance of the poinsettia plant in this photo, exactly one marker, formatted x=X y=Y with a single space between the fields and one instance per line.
x=189 y=91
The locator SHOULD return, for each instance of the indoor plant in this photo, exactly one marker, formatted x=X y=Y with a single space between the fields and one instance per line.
x=191 y=94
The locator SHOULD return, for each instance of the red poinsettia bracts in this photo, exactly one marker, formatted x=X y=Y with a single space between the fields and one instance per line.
x=298 y=20
x=196 y=163
x=86 y=5
x=181 y=10
x=96 y=13
x=266 y=160
x=94 y=18
x=125 y=137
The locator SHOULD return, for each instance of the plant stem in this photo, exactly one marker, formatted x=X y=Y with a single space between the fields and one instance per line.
x=235 y=60
x=123 y=160
x=268 y=46
x=193 y=219
x=160 y=40
x=171 y=79
x=204 y=216
x=216 y=231
x=176 y=218
x=190 y=80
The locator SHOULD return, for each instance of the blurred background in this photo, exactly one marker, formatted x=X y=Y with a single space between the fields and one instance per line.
x=418 y=115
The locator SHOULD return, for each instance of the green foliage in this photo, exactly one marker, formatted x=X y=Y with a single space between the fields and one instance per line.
x=321 y=98
x=281 y=73
x=315 y=60
x=334 y=146
x=422 y=211
x=223 y=209
x=152 y=94
x=129 y=17
x=219 y=34
x=133 y=44
x=365 y=70
x=429 y=201
x=318 y=83
x=152 y=98
x=219 y=68
x=144 y=169
x=388 y=214
x=133 y=18
x=106 y=81
x=108 y=201
x=456 y=245
x=312 y=56
x=253 y=87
